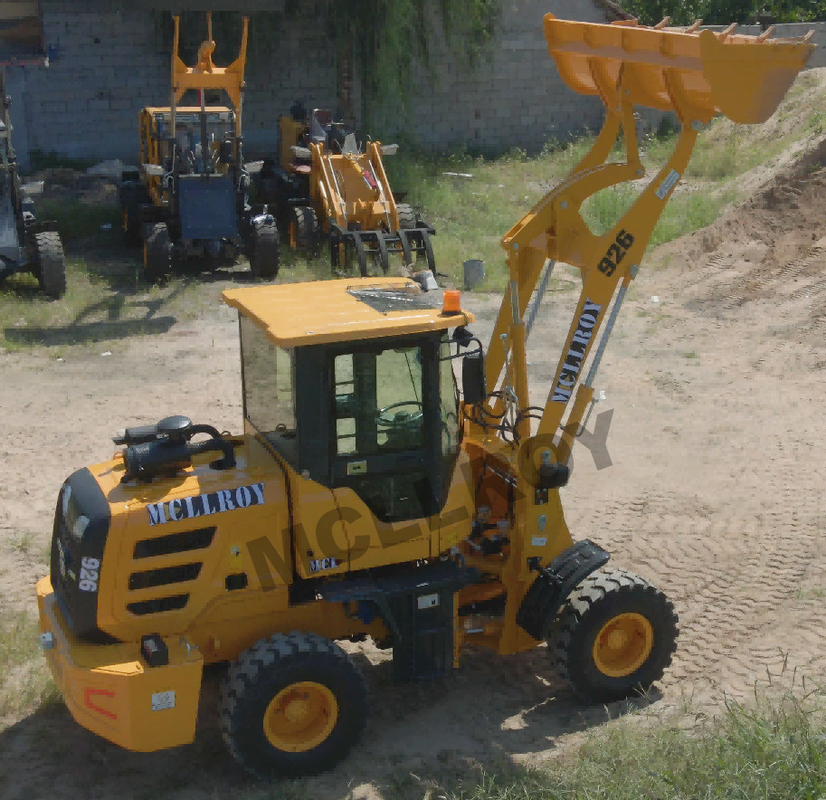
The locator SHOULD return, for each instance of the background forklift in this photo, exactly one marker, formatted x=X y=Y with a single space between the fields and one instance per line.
x=26 y=244
x=364 y=498
x=325 y=188
x=191 y=195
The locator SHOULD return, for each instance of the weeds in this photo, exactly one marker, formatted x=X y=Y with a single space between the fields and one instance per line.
x=24 y=678
x=771 y=749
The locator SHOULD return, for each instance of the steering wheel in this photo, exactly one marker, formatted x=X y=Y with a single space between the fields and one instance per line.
x=406 y=422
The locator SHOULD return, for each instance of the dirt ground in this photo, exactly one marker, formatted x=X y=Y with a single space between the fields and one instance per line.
x=716 y=376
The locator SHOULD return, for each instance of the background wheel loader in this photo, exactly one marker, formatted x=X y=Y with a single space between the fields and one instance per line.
x=364 y=498
x=26 y=244
x=327 y=191
x=190 y=198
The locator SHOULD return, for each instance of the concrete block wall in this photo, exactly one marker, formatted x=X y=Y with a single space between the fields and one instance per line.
x=109 y=62
x=106 y=65
x=111 y=59
x=513 y=98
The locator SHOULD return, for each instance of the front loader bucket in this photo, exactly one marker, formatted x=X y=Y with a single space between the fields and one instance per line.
x=708 y=72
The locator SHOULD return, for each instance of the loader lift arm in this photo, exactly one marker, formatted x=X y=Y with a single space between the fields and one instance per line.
x=696 y=74
x=205 y=75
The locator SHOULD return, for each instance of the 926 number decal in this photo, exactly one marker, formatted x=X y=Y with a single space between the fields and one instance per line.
x=616 y=252
x=88 y=581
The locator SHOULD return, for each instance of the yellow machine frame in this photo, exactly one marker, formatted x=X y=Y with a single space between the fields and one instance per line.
x=348 y=196
x=202 y=76
x=342 y=196
x=624 y=64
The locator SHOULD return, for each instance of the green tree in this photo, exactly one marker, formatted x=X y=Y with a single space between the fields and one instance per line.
x=388 y=38
x=721 y=12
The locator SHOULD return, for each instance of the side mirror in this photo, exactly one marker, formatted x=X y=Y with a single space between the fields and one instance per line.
x=301 y=152
x=389 y=149
x=253 y=167
x=474 y=387
x=154 y=170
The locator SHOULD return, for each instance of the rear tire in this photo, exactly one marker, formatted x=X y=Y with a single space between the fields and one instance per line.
x=50 y=264
x=157 y=252
x=131 y=195
x=292 y=705
x=265 y=251
x=407 y=216
x=304 y=230
x=614 y=637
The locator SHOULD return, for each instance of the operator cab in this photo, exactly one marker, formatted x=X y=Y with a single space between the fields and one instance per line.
x=348 y=404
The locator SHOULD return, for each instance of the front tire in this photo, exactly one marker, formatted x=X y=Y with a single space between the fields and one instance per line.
x=50 y=264
x=614 y=637
x=304 y=234
x=131 y=195
x=157 y=252
x=292 y=705
x=265 y=251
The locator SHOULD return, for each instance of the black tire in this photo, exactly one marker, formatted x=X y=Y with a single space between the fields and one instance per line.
x=157 y=252
x=304 y=230
x=637 y=625
x=50 y=263
x=131 y=195
x=265 y=251
x=284 y=674
x=407 y=216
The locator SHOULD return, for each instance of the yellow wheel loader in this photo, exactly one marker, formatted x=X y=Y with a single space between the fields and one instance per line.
x=366 y=496
x=191 y=196
x=326 y=188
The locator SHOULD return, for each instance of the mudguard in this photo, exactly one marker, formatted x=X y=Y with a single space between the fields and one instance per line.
x=555 y=582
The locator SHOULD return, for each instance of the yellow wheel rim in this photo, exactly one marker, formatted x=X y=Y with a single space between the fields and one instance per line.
x=623 y=644
x=300 y=717
x=293 y=234
x=124 y=221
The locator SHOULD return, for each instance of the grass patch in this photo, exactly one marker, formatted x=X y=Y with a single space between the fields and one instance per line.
x=25 y=682
x=107 y=298
x=78 y=221
x=471 y=215
x=771 y=750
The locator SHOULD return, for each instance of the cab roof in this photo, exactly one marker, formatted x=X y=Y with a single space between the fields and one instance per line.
x=320 y=312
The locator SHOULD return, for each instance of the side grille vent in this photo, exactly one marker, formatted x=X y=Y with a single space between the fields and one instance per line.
x=159 y=604
x=182 y=542
x=164 y=575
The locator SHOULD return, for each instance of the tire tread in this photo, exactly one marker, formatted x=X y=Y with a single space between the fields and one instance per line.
x=596 y=588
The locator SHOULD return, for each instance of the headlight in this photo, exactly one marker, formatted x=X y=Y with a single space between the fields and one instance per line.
x=79 y=527
x=67 y=493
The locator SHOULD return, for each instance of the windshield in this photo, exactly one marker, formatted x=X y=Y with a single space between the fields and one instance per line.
x=378 y=401
x=269 y=391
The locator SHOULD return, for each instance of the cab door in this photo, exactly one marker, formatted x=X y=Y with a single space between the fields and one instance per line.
x=387 y=459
